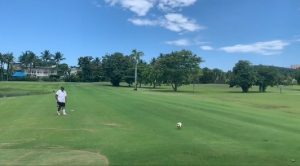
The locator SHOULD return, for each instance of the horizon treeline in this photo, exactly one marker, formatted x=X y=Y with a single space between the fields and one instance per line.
x=175 y=69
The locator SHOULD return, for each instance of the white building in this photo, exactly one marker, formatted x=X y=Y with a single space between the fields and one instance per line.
x=41 y=71
x=74 y=70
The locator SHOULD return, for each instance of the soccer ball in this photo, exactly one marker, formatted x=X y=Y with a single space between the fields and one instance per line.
x=179 y=125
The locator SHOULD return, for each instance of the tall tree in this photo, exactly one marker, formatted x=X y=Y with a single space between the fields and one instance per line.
x=9 y=59
x=58 y=56
x=23 y=59
x=243 y=76
x=207 y=76
x=28 y=59
x=2 y=60
x=63 y=70
x=214 y=76
x=155 y=76
x=130 y=63
x=297 y=77
x=137 y=56
x=266 y=76
x=115 y=67
x=85 y=63
x=178 y=67
x=97 y=70
x=142 y=66
x=46 y=57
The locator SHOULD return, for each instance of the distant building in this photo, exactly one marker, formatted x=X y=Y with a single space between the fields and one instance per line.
x=295 y=66
x=39 y=72
x=74 y=70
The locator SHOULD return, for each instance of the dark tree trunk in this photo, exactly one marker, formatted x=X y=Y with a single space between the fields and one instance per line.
x=262 y=88
x=2 y=72
x=115 y=82
x=154 y=84
x=174 y=86
x=7 y=71
x=245 y=89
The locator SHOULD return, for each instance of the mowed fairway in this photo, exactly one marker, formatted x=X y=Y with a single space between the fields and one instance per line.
x=119 y=126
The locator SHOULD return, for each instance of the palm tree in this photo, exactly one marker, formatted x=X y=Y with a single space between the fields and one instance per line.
x=1 y=66
x=137 y=56
x=46 y=56
x=28 y=58
x=31 y=58
x=9 y=59
x=58 y=56
x=22 y=59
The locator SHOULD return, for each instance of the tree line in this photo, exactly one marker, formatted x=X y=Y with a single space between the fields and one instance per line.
x=175 y=69
x=179 y=68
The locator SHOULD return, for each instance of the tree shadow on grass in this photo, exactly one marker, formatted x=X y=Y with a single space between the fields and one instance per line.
x=249 y=92
x=293 y=89
x=242 y=92
x=23 y=93
x=120 y=86
x=171 y=91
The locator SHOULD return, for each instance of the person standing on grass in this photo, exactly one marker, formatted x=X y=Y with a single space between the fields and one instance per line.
x=61 y=99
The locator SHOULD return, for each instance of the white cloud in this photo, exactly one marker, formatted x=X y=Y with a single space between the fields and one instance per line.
x=174 y=22
x=178 y=23
x=179 y=42
x=188 y=42
x=143 y=22
x=263 y=48
x=206 y=48
x=167 y=5
x=140 y=7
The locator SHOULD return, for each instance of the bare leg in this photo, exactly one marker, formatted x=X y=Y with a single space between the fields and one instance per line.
x=58 y=109
x=63 y=110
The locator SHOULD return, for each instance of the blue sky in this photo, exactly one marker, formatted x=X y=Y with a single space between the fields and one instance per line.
x=220 y=31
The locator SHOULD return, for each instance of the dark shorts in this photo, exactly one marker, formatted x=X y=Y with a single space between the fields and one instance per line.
x=59 y=104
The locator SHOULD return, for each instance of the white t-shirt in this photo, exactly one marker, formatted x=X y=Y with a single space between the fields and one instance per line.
x=61 y=96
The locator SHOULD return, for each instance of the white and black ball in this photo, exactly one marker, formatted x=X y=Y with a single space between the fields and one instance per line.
x=179 y=125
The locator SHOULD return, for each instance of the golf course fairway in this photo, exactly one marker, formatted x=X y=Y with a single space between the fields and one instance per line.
x=109 y=125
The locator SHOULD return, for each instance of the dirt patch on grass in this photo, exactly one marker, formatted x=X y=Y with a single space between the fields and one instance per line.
x=51 y=156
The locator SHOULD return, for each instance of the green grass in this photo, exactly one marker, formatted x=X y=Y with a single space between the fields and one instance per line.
x=221 y=126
